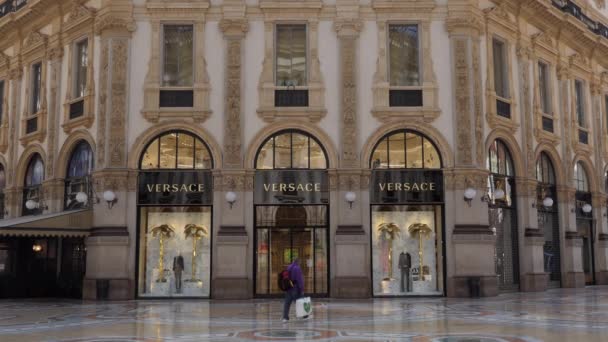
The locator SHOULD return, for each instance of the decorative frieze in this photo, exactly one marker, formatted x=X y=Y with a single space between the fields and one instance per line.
x=103 y=102
x=118 y=91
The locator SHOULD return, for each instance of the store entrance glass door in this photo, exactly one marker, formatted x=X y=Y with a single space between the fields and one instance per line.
x=585 y=230
x=286 y=233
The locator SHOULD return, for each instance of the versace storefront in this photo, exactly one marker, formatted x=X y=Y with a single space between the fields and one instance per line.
x=174 y=202
x=407 y=234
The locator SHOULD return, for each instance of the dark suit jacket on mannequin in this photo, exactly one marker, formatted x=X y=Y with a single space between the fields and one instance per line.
x=405 y=263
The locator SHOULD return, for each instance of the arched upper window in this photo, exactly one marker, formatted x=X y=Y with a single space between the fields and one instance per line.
x=77 y=180
x=499 y=159
x=291 y=150
x=35 y=171
x=176 y=150
x=581 y=181
x=545 y=173
x=405 y=149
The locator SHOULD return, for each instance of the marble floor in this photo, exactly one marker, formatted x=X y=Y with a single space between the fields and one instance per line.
x=579 y=315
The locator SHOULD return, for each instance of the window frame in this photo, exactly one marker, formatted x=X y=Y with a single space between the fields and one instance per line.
x=419 y=38
x=178 y=131
x=86 y=180
x=27 y=189
x=547 y=88
x=76 y=67
x=386 y=138
x=163 y=24
x=291 y=132
x=506 y=68
x=582 y=105
x=32 y=98
x=275 y=49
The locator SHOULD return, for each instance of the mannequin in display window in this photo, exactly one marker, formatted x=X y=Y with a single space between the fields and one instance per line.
x=178 y=268
x=405 y=264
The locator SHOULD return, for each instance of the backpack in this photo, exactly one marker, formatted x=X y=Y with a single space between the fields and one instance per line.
x=284 y=282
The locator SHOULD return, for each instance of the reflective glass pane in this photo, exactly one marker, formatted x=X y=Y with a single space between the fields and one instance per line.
x=501 y=84
x=317 y=156
x=150 y=157
x=431 y=156
x=81 y=161
x=404 y=55
x=282 y=151
x=168 y=152
x=2 y=178
x=265 y=155
x=300 y=151
x=262 y=275
x=396 y=145
x=185 y=151
x=291 y=55
x=177 y=52
x=414 y=150
x=36 y=83
x=35 y=172
x=580 y=102
x=81 y=68
x=380 y=155
x=543 y=79
x=202 y=156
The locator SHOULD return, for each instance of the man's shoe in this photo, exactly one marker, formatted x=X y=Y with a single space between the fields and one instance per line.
x=285 y=320
x=305 y=317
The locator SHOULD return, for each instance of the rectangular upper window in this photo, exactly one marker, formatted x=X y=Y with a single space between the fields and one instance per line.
x=579 y=96
x=80 y=68
x=404 y=55
x=291 y=55
x=501 y=77
x=36 y=80
x=544 y=88
x=178 y=56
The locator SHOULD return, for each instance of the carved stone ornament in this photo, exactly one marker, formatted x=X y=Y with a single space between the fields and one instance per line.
x=110 y=22
x=79 y=13
x=103 y=98
x=234 y=27
x=348 y=26
x=462 y=89
x=542 y=39
x=117 y=136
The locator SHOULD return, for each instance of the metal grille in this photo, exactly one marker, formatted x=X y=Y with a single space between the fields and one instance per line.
x=76 y=109
x=503 y=222
x=583 y=137
x=176 y=98
x=31 y=125
x=291 y=98
x=405 y=98
x=503 y=109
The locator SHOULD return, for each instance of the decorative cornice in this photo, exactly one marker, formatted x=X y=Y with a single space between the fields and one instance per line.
x=110 y=22
x=348 y=27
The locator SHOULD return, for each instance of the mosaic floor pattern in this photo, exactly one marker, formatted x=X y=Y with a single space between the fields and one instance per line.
x=556 y=315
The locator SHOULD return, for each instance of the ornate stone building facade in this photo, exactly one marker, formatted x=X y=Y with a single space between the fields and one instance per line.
x=393 y=147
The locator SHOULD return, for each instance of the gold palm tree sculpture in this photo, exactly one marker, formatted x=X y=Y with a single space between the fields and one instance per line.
x=194 y=232
x=164 y=231
x=423 y=231
x=390 y=231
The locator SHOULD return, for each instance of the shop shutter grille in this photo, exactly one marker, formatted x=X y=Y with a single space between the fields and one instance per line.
x=405 y=98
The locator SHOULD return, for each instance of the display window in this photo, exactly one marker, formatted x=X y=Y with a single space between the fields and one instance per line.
x=406 y=229
x=548 y=218
x=584 y=221
x=175 y=197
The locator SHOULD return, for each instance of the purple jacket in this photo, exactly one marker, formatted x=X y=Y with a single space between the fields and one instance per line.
x=295 y=274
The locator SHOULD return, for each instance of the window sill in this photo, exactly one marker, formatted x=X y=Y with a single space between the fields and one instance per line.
x=498 y=121
x=311 y=114
x=84 y=121
x=387 y=114
x=197 y=114
x=39 y=136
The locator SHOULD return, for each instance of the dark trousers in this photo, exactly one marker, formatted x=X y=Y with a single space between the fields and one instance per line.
x=405 y=279
x=290 y=296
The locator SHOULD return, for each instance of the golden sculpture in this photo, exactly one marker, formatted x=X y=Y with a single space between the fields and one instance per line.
x=164 y=231
x=390 y=231
x=423 y=231
x=194 y=232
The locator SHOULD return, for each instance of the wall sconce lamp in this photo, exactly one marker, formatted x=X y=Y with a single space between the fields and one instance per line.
x=230 y=198
x=548 y=202
x=36 y=247
x=469 y=194
x=587 y=208
x=33 y=204
x=350 y=197
x=82 y=197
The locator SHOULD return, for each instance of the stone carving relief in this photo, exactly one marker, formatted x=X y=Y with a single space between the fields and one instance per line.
x=103 y=99
x=464 y=141
x=117 y=136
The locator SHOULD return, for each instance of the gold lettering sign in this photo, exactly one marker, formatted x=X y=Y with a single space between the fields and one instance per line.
x=175 y=187
x=407 y=186
x=299 y=187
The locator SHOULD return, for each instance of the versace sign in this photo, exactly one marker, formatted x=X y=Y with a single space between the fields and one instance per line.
x=406 y=186
x=175 y=188
x=291 y=187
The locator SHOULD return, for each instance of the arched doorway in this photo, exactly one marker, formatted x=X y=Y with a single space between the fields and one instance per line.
x=503 y=215
x=584 y=220
x=175 y=217
x=406 y=197
x=548 y=217
x=291 y=200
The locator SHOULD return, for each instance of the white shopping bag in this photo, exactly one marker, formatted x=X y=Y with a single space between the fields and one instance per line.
x=303 y=307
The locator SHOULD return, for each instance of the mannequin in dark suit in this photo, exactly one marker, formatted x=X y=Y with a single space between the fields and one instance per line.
x=178 y=268
x=405 y=263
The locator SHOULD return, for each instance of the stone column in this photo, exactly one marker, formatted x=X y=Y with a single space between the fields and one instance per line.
x=572 y=263
x=470 y=241
x=110 y=250
x=351 y=277
x=14 y=189
x=232 y=259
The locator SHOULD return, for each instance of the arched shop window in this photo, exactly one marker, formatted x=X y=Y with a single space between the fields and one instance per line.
x=78 y=177
x=406 y=194
x=2 y=187
x=584 y=219
x=32 y=189
x=503 y=215
x=291 y=206
x=291 y=150
x=176 y=150
x=548 y=218
x=405 y=149
x=175 y=197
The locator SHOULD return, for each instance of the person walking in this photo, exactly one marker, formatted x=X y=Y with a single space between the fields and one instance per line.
x=295 y=292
